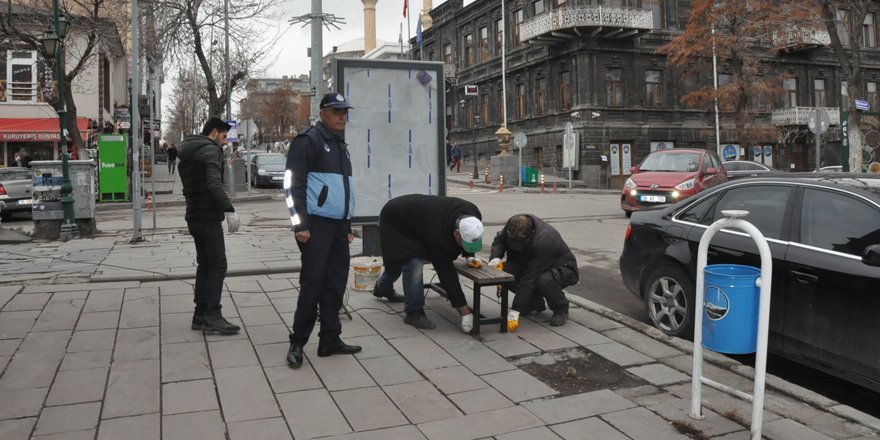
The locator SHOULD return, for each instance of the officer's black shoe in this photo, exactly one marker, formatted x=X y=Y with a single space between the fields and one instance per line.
x=218 y=324
x=338 y=347
x=391 y=296
x=295 y=355
x=558 y=319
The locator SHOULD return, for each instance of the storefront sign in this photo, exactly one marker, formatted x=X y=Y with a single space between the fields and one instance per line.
x=29 y=137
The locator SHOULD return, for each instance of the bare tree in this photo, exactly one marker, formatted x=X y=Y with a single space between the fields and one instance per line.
x=22 y=25
x=192 y=30
x=187 y=105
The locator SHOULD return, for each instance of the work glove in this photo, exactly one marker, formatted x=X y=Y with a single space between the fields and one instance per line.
x=512 y=321
x=473 y=262
x=497 y=263
x=467 y=323
x=232 y=222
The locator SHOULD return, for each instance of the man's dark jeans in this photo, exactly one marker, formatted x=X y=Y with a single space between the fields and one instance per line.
x=211 y=271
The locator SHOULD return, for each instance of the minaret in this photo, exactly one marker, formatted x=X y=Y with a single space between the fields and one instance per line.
x=426 y=18
x=369 y=25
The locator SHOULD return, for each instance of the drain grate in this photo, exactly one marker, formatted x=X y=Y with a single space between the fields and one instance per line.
x=576 y=371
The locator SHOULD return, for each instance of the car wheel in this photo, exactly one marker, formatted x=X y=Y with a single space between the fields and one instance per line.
x=628 y=214
x=669 y=300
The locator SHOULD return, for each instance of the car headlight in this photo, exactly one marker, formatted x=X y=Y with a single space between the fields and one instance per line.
x=630 y=184
x=261 y=172
x=686 y=185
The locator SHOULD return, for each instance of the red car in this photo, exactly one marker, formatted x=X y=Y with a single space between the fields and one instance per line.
x=667 y=176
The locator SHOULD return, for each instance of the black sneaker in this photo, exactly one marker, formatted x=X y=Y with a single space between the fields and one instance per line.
x=419 y=321
x=218 y=324
x=198 y=321
x=558 y=319
x=391 y=296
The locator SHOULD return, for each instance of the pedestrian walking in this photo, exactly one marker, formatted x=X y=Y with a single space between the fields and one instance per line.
x=416 y=228
x=201 y=172
x=172 y=158
x=456 y=159
x=541 y=262
x=320 y=195
x=448 y=152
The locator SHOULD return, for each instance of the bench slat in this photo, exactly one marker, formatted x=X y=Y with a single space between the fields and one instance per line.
x=484 y=275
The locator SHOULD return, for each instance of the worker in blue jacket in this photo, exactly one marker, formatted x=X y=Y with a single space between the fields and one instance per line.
x=320 y=195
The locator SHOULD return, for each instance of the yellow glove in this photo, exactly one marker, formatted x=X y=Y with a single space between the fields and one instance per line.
x=473 y=262
x=512 y=321
x=497 y=263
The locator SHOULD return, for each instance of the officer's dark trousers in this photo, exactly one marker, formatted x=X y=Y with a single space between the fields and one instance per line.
x=322 y=280
x=211 y=270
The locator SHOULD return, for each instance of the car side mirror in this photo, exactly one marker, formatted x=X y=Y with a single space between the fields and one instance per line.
x=710 y=171
x=634 y=170
x=871 y=255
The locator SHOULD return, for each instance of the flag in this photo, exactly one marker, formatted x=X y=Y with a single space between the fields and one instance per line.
x=405 y=7
x=419 y=32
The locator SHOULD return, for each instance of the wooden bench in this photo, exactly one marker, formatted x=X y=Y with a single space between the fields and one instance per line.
x=484 y=276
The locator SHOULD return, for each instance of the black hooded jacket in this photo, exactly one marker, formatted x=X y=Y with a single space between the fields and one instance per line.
x=201 y=172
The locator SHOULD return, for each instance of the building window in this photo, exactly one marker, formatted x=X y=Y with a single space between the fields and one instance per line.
x=869 y=31
x=484 y=44
x=841 y=22
x=447 y=53
x=540 y=95
x=484 y=109
x=790 y=87
x=565 y=90
x=653 y=88
x=517 y=22
x=820 y=95
x=614 y=87
x=520 y=101
x=499 y=36
x=21 y=75
x=872 y=95
x=537 y=7
x=468 y=50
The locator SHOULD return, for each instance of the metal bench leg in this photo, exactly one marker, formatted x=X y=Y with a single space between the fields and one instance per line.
x=503 y=309
x=476 y=311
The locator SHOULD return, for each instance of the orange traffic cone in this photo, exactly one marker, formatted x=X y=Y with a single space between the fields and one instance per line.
x=149 y=201
x=555 y=190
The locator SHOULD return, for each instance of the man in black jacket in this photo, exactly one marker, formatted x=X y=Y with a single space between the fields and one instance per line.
x=320 y=196
x=542 y=263
x=416 y=227
x=201 y=172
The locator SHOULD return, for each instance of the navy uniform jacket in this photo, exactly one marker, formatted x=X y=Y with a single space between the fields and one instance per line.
x=318 y=179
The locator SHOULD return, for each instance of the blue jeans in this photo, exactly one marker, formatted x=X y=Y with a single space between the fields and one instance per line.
x=413 y=285
x=211 y=270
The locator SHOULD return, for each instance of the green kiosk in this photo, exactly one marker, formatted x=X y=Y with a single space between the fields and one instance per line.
x=113 y=168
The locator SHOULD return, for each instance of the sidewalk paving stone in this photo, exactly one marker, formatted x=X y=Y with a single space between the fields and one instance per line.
x=31 y=369
x=480 y=359
x=265 y=429
x=32 y=301
x=620 y=354
x=283 y=379
x=140 y=308
x=185 y=361
x=17 y=324
x=565 y=409
x=104 y=300
x=91 y=340
x=132 y=389
x=518 y=386
x=260 y=315
x=789 y=429
x=659 y=374
x=312 y=413
x=189 y=396
x=175 y=328
x=589 y=428
x=232 y=353
x=579 y=334
x=339 y=372
x=539 y=433
x=68 y=418
x=711 y=425
x=45 y=340
x=25 y=402
x=455 y=379
x=145 y=427
x=368 y=408
x=17 y=429
x=477 y=426
x=268 y=334
x=477 y=401
x=58 y=315
x=544 y=339
x=88 y=434
x=98 y=320
x=510 y=345
x=408 y=432
x=245 y=394
x=274 y=355
x=643 y=343
x=642 y=424
x=197 y=425
x=388 y=325
x=175 y=304
x=390 y=370
x=422 y=353
x=374 y=346
x=78 y=386
x=421 y=402
x=136 y=343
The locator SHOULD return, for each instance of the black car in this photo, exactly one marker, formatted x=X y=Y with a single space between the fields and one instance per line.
x=824 y=236
x=746 y=168
x=267 y=169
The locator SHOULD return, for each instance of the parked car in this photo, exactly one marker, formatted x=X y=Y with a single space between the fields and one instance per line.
x=16 y=190
x=824 y=237
x=746 y=168
x=268 y=169
x=668 y=176
x=831 y=169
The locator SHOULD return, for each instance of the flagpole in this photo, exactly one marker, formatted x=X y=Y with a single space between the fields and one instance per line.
x=408 y=33
x=400 y=38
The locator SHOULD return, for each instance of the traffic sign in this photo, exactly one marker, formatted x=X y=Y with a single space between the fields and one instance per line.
x=862 y=105
x=569 y=128
x=471 y=90
x=519 y=140
x=818 y=121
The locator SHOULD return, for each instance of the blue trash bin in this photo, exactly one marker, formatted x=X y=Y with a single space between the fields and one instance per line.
x=730 y=308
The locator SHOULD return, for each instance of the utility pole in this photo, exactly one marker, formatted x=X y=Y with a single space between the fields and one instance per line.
x=228 y=90
x=316 y=18
x=137 y=232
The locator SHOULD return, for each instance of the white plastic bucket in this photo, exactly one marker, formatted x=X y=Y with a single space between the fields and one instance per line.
x=366 y=272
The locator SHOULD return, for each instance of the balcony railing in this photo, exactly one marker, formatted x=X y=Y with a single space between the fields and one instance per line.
x=800 y=115
x=597 y=21
x=801 y=39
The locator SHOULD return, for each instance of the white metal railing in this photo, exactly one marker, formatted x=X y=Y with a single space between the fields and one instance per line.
x=587 y=16
x=800 y=115
x=801 y=37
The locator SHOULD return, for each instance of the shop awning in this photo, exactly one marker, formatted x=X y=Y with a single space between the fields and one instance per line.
x=36 y=129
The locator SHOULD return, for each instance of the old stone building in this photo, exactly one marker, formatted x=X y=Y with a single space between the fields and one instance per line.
x=594 y=63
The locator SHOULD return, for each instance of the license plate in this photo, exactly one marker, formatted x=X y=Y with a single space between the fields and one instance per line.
x=654 y=199
x=25 y=202
x=277 y=178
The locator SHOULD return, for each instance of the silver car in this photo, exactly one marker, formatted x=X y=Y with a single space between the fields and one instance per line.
x=16 y=190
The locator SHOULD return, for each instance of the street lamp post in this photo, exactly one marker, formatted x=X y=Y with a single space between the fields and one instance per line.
x=476 y=121
x=53 y=42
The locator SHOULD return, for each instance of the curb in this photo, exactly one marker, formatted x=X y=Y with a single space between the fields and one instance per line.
x=128 y=205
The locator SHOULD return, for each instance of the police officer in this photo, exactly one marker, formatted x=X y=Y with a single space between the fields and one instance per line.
x=320 y=195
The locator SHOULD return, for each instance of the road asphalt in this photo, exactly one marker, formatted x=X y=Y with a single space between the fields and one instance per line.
x=95 y=343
